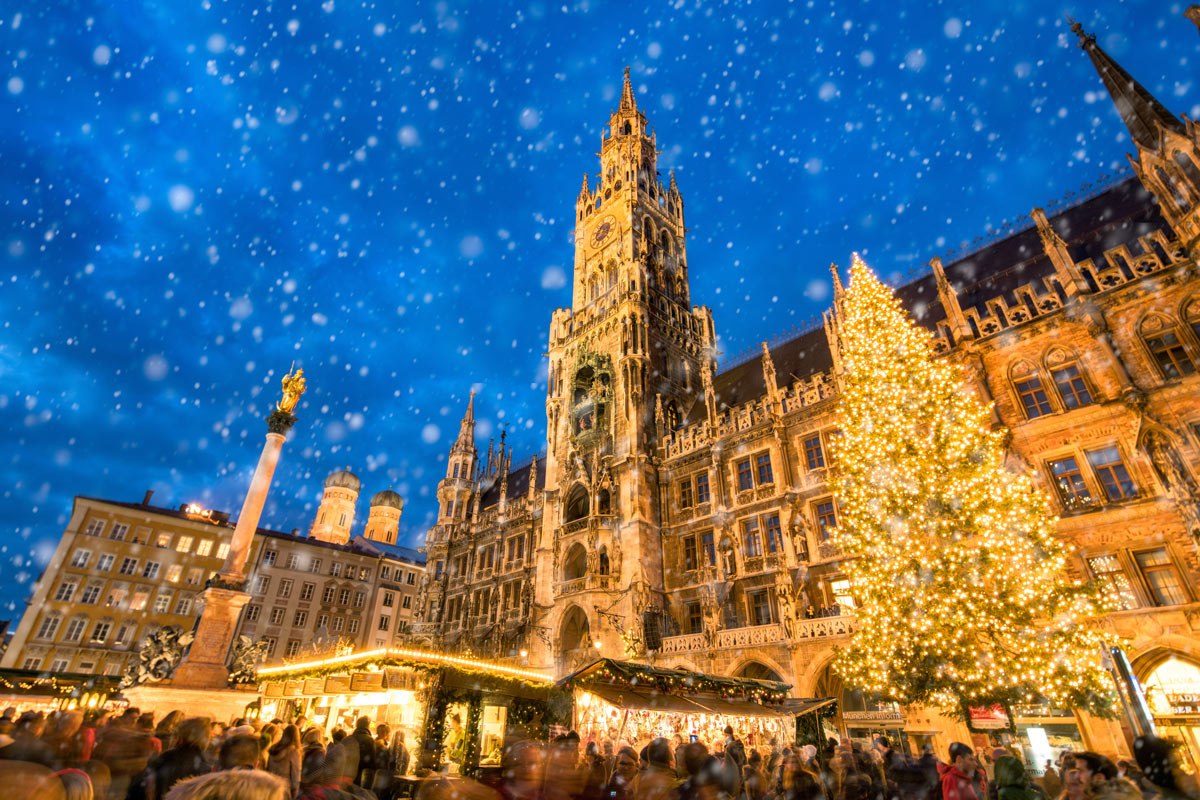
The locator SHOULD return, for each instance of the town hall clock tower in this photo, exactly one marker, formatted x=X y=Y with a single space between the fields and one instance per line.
x=628 y=361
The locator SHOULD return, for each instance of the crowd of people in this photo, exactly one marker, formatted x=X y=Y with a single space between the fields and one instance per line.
x=68 y=755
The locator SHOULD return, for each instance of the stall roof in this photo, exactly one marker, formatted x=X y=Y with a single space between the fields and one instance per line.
x=627 y=698
x=798 y=705
x=645 y=676
x=394 y=656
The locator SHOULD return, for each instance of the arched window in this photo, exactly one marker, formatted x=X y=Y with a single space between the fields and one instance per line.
x=604 y=502
x=1191 y=316
x=665 y=243
x=1067 y=374
x=628 y=128
x=604 y=564
x=1027 y=384
x=575 y=565
x=1168 y=185
x=1189 y=169
x=577 y=504
x=1162 y=341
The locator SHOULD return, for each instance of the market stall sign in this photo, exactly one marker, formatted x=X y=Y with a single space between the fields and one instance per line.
x=875 y=716
x=292 y=689
x=396 y=678
x=273 y=689
x=366 y=682
x=314 y=686
x=337 y=684
x=990 y=717
x=1183 y=702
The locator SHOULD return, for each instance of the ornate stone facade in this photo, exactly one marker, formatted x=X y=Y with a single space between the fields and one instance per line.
x=690 y=510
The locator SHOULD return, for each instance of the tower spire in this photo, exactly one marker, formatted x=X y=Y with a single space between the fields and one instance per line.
x=1140 y=110
x=627 y=101
x=466 y=429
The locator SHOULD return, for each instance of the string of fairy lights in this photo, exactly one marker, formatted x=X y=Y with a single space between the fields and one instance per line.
x=965 y=595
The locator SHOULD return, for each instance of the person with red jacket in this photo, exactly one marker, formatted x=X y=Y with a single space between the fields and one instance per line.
x=961 y=778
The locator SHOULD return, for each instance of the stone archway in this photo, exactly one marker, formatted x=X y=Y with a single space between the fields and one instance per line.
x=575 y=564
x=575 y=643
x=756 y=669
x=578 y=504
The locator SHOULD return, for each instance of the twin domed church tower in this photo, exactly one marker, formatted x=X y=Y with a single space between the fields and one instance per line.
x=335 y=515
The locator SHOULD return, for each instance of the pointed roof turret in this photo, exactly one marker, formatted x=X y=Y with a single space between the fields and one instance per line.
x=674 y=187
x=1139 y=109
x=627 y=101
x=587 y=189
x=465 y=443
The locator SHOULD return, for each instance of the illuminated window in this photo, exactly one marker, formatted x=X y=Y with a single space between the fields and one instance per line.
x=814 y=455
x=195 y=576
x=1161 y=578
x=1033 y=396
x=184 y=545
x=204 y=547
x=173 y=572
x=826 y=518
x=1072 y=490
x=1113 y=475
x=223 y=550
x=139 y=600
x=1071 y=386
x=163 y=540
x=842 y=595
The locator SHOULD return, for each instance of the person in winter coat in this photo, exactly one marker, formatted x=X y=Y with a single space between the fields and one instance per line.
x=960 y=777
x=366 y=752
x=186 y=759
x=239 y=784
x=1012 y=781
x=1051 y=784
x=283 y=759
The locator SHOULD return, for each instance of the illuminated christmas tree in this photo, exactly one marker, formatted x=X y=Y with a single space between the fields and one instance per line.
x=964 y=591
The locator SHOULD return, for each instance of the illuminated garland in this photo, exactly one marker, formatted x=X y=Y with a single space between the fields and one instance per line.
x=965 y=598
x=630 y=675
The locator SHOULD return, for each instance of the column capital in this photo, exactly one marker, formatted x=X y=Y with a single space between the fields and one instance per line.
x=280 y=422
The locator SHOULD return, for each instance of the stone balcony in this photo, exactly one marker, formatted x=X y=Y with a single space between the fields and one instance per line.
x=583 y=584
x=759 y=635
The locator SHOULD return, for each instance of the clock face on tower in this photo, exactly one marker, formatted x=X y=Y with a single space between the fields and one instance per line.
x=602 y=231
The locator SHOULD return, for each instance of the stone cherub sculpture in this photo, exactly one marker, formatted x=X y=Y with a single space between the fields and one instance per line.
x=158 y=656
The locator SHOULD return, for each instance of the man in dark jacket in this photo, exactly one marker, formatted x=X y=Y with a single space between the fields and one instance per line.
x=186 y=759
x=366 y=752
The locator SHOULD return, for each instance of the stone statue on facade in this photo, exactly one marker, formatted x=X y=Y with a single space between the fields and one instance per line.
x=1175 y=478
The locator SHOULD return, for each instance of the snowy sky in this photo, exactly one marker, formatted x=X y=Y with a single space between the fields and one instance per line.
x=193 y=194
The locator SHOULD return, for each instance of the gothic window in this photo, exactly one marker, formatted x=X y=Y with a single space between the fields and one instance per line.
x=575 y=565
x=604 y=563
x=1188 y=166
x=1028 y=386
x=1162 y=340
x=1169 y=185
x=1068 y=378
x=665 y=242
x=604 y=502
x=577 y=505
x=628 y=129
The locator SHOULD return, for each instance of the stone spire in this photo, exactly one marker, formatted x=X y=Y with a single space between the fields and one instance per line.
x=1139 y=109
x=949 y=298
x=586 y=190
x=627 y=101
x=465 y=443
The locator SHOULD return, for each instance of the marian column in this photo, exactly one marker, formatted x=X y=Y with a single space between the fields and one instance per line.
x=205 y=664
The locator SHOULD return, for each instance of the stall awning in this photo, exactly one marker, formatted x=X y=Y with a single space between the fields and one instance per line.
x=797 y=706
x=627 y=698
x=741 y=708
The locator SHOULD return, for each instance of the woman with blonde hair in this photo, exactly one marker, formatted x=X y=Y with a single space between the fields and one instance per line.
x=283 y=758
x=237 y=784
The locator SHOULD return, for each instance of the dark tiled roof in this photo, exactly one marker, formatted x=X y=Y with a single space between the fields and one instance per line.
x=395 y=552
x=1117 y=216
x=518 y=483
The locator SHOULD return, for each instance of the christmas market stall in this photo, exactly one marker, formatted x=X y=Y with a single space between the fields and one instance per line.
x=455 y=712
x=32 y=690
x=623 y=702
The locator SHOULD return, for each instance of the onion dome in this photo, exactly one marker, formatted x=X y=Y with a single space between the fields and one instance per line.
x=387 y=498
x=344 y=479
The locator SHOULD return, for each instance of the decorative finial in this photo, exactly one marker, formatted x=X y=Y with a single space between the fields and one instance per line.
x=627 y=101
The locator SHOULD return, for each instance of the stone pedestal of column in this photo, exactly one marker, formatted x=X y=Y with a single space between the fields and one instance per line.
x=205 y=664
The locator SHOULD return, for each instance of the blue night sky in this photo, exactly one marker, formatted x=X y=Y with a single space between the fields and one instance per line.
x=193 y=194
